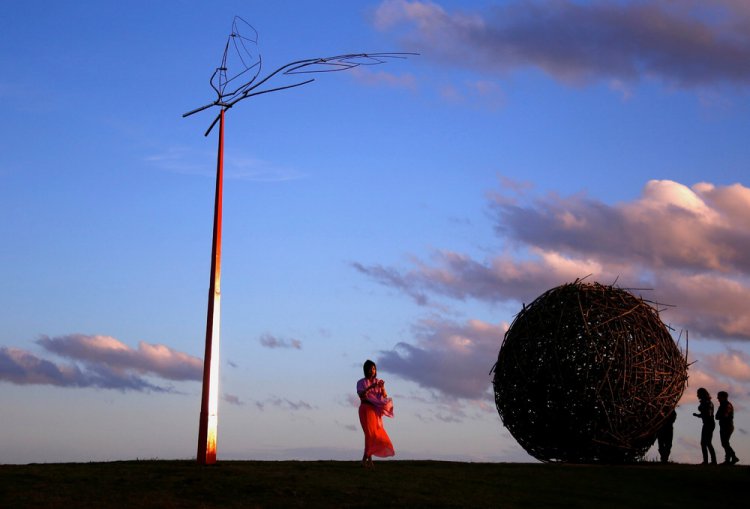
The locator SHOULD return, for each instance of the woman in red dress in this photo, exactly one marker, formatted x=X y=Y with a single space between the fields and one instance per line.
x=374 y=404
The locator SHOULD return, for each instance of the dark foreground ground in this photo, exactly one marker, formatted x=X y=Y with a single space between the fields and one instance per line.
x=230 y=484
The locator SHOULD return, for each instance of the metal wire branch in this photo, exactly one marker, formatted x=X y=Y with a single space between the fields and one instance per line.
x=241 y=58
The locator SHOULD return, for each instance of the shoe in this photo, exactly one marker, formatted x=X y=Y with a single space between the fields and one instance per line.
x=735 y=460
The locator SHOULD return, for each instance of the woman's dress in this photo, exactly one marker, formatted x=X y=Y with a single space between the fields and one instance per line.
x=372 y=408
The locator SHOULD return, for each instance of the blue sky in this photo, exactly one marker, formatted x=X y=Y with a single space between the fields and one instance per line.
x=400 y=212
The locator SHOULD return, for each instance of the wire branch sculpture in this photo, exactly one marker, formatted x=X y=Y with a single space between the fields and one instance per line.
x=238 y=76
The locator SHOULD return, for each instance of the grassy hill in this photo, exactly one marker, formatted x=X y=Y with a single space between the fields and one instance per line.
x=247 y=484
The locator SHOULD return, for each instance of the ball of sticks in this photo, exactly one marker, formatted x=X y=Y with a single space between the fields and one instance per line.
x=588 y=374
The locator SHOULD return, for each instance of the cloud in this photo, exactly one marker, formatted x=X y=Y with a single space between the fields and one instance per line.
x=732 y=364
x=718 y=372
x=500 y=279
x=284 y=403
x=448 y=357
x=187 y=161
x=483 y=95
x=269 y=341
x=383 y=78
x=348 y=427
x=23 y=368
x=105 y=362
x=690 y=244
x=232 y=399
x=687 y=44
x=670 y=225
x=159 y=360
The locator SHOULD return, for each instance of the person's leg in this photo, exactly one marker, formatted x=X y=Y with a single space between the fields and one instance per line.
x=366 y=428
x=731 y=456
x=711 y=450
x=724 y=439
x=665 y=445
x=707 y=447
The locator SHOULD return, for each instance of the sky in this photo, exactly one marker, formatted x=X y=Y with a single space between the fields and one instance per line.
x=401 y=212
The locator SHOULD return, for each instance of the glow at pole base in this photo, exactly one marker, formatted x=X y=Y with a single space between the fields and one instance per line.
x=211 y=440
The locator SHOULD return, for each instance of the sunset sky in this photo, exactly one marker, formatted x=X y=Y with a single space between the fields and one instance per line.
x=402 y=212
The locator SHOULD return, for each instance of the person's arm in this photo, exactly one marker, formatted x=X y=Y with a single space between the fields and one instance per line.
x=363 y=393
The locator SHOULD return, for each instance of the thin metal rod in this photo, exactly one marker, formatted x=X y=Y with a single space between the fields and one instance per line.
x=207 y=429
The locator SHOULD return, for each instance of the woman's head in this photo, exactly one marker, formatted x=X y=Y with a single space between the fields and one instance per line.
x=369 y=368
x=703 y=394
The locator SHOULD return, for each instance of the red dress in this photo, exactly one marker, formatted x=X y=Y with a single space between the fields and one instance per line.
x=371 y=410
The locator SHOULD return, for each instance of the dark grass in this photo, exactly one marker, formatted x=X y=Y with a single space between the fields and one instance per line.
x=247 y=484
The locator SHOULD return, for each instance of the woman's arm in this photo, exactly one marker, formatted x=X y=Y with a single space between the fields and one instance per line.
x=379 y=384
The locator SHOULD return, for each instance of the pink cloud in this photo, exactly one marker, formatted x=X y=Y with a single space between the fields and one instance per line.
x=732 y=364
x=670 y=225
x=98 y=361
x=690 y=245
x=159 y=360
x=451 y=358
x=712 y=305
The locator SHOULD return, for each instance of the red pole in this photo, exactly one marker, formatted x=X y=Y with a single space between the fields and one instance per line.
x=210 y=397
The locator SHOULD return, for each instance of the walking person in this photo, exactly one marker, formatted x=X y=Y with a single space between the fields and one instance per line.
x=706 y=413
x=374 y=404
x=725 y=416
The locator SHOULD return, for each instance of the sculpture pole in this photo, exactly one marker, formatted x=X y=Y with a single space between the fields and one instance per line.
x=230 y=89
x=210 y=396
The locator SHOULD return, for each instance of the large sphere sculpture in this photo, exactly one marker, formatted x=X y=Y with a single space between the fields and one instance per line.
x=587 y=373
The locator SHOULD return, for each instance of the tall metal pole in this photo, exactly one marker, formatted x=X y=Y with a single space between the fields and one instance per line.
x=210 y=396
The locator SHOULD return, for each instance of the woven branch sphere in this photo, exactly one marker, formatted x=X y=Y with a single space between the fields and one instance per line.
x=587 y=374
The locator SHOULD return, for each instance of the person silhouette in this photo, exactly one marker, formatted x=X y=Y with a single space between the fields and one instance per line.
x=725 y=416
x=706 y=414
x=664 y=436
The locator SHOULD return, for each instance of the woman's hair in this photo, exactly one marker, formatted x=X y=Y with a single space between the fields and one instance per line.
x=703 y=394
x=366 y=367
